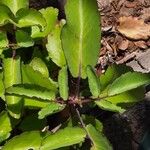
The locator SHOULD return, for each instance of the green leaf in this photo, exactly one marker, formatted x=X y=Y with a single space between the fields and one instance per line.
x=128 y=81
x=35 y=77
x=50 y=109
x=2 y=89
x=31 y=90
x=3 y=40
x=131 y=96
x=6 y=15
x=99 y=141
x=81 y=35
x=30 y=17
x=26 y=124
x=50 y=14
x=15 y=5
x=94 y=83
x=5 y=126
x=63 y=83
x=65 y=137
x=39 y=65
x=23 y=39
x=12 y=75
x=25 y=141
x=106 y=105
x=54 y=46
x=113 y=72
x=33 y=103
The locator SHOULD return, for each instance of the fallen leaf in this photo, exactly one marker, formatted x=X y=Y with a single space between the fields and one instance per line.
x=141 y=44
x=133 y=28
x=123 y=45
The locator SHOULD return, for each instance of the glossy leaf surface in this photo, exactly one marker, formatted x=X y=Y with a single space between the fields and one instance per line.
x=12 y=75
x=50 y=109
x=94 y=83
x=31 y=90
x=25 y=141
x=30 y=17
x=5 y=126
x=128 y=82
x=81 y=35
x=54 y=46
x=15 y=5
x=62 y=138
x=63 y=83
x=50 y=15
x=23 y=39
x=99 y=141
x=35 y=77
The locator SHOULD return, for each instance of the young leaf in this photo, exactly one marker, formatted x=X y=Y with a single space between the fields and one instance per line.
x=3 y=40
x=35 y=77
x=15 y=5
x=23 y=39
x=50 y=14
x=65 y=137
x=12 y=75
x=54 y=46
x=81 y=35
x=31 y=90
x=2 y=89
x=25 y=141
x=30 y=17
x=128 y=82
x=99 y=141
x=63 y=83
x=50 y=109
x=5 y=126
x=6 y=15
x=106 y=105
x=113 y=72
x=94 y=83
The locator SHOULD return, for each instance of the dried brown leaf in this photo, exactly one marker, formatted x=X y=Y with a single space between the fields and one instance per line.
x=133 y=28
x=123 y=45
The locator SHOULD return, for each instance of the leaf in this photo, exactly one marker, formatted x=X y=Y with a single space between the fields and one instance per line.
x=131 y=96
x=2 y=89
x=113 y=72
x=50 y=109
x=3 y=40
x=26 y=124
x=23 y=39
x=63 y=83
x=33 y=103
x=65 y=137
x=31 y=90
x=106 y=105
x=35 y=77
x=99 y=141
x=50 y=14
x=30 y=17
x=133 y=28
x=12 y=75
x=128 y=81
x=15 y=5
x=5 y=126
x=39 y=65
x=81 y=35
x=94 y=83
x=24 y=141
x=6 y=15
x=54 y=46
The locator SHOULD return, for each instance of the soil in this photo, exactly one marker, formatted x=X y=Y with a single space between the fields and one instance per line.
x=118 y=19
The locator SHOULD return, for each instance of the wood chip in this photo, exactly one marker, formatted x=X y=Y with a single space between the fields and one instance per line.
x=141 y=44
x=133 y=28
x=123 y=45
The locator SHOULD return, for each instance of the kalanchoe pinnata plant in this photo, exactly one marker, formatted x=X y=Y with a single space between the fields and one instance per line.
x=41 y=58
